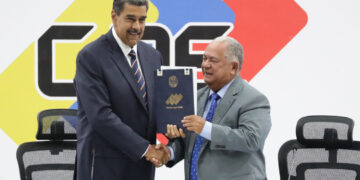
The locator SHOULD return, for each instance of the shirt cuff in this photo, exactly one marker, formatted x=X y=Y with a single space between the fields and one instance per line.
x=172 y=156
x=145 y=151
x=206 y=131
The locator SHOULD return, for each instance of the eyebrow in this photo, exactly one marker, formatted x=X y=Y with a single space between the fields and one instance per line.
x=133 y=16
x=130 y=16
x=209 y=57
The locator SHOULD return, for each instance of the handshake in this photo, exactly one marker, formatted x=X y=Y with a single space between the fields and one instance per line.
x=160 y=154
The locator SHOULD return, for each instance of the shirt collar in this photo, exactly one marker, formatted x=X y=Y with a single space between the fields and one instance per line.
x=222 y=91
x=124 y=48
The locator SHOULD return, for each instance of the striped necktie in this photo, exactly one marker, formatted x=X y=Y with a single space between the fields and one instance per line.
x=199 y=140
x=135 y=69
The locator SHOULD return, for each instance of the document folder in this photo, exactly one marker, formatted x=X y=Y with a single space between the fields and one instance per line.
x=175 y=95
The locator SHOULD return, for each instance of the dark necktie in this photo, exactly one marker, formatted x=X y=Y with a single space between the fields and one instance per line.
x=199 y=140
x=135 y=69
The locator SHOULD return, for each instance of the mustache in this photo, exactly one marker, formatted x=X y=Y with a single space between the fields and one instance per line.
x=136 y=31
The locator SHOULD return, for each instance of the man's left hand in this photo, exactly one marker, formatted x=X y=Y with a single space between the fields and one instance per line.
x=193 y=123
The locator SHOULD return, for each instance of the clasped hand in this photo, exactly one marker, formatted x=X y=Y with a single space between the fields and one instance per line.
x=158 y=154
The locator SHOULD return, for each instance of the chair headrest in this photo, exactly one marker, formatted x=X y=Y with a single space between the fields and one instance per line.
x=325 y=131
x=57 y=124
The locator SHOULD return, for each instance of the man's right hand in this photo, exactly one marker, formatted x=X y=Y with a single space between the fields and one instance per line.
x=158 y=155
x=173 y=132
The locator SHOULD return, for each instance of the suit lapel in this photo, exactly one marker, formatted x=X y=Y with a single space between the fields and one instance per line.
x=202 y=100
x=147 y=70
x=227 y=101
x=119 y=59
x=224 y=105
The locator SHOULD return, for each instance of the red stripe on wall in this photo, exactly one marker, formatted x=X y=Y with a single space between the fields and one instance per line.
x=200 y=75
x=199 y=46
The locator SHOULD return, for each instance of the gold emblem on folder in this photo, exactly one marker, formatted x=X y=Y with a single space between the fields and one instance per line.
x=173 y=101
x=173 y=81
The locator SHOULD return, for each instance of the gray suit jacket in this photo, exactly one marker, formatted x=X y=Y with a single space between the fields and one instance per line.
x=241 y=124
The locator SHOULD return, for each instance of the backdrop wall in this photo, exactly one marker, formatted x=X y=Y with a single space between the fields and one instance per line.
x=301 y=54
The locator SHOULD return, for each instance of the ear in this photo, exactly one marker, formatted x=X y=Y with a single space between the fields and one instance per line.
x=113 y=15
x=234 y=67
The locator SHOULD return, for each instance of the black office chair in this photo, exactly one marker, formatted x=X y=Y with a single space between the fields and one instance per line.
x=324 y=150
x=53 y=156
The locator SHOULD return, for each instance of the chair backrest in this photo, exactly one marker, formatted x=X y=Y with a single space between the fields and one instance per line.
x=52 y=157
x=324 y=150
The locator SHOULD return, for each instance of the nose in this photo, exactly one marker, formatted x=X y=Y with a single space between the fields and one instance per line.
x=205 y=64
x=136 y=25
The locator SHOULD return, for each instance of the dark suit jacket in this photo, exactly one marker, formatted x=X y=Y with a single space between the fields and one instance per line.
x=115 y=126
x=241 y=124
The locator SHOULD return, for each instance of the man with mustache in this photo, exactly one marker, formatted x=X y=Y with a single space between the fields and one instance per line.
x=226 y=139
x=114 y=86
